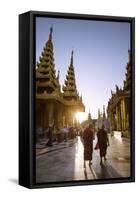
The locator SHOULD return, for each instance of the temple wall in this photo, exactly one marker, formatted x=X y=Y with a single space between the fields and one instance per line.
x=120 y=119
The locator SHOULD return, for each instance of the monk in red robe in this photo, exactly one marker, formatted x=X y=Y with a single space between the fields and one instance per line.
x=88 y=144
x=103 y=142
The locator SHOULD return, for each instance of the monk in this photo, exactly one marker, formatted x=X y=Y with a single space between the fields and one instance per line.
x=103 y=142
x=88 y=144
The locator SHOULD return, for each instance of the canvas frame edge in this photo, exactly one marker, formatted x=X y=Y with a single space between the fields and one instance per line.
x=29 y=178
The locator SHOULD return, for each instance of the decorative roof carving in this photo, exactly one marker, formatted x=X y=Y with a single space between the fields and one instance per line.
x=45 y=72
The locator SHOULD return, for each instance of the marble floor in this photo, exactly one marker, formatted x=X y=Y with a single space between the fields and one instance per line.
x=64 y=162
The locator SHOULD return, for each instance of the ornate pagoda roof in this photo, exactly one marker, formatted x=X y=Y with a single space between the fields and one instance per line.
x=127 y=81
x=69 y=88
x=47 y=82
x=125 y=92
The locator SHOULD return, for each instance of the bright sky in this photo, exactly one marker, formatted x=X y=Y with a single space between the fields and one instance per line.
x=100 y=55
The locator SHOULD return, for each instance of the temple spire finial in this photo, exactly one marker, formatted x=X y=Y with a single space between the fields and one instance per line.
x=129 y=55
x=46 y=65
x=104 y=116
x=71 y=61
x=50 y=34
x=99 y=115
x=89 y=115
x=69 y=87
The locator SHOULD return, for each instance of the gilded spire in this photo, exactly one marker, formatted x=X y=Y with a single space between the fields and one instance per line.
x=127 y=81
x=104 y=116
x=89 y=116
x=71 y=60
x=45 y=72
x=69 y=87
x=50 y=34
x=99 y=115
x=129 y=55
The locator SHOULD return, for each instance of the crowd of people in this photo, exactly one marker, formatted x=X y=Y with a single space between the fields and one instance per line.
x=87 y=136
x=55 y=134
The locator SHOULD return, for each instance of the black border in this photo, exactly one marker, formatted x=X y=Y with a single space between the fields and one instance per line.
x=31 y=164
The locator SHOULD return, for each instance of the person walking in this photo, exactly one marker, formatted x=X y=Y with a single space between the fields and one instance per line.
x=103 y=142
x=50 y=136
x=88 y=144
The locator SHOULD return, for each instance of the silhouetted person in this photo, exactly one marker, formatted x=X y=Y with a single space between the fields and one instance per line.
x=58 y=135
x=122 y=134
x=49 y=135
x=88 y=144
x=103 y=141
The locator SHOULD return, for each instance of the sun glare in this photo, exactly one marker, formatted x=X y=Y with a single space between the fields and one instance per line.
x=80 y=116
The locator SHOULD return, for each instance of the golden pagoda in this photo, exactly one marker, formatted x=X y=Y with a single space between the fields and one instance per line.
x=70 y=90
x=119 y=105
x=88 y=121
x=53 y=107
x=46 y=79
x=74 y=102
x=89 y=117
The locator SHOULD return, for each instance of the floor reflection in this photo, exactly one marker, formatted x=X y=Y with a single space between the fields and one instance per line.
x=66 y=163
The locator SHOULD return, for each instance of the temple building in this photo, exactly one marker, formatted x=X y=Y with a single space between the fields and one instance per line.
x=103 y=120
x=89 y=117
x=88 y=121
x=70 y=95
x=54 y=107
x=119 y=105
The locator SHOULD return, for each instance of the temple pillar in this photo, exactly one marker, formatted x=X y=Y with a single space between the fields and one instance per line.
x=128 y=112
x=50 y=113
x=63 y=121
x=111 y=119
x=116 y=118
x=66 y=118
x=121 y=115
x=40 y=114
x=59 y=116
x=69 y=118
x=119 y=112
x=124 y=113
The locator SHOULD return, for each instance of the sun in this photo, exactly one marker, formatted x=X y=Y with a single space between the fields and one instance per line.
x=80 y=116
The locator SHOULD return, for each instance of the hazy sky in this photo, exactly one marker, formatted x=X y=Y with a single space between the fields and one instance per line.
x=100 y=55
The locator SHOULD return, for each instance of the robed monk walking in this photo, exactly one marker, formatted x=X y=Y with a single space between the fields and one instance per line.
x=103 y=142
x=88 y=144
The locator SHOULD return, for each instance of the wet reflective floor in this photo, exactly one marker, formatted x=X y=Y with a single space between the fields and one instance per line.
x=65 y=163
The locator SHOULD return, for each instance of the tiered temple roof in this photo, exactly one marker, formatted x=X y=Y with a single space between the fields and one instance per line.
x=46 y=80
x=47 y=83
x=89 y=116
x=69 y=88
x=122 y=92
x=127 y=82
x=101 y=115
x=119 y=105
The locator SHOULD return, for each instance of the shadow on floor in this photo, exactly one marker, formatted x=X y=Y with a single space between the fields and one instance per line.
x=85 y=174
x=13 y=180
